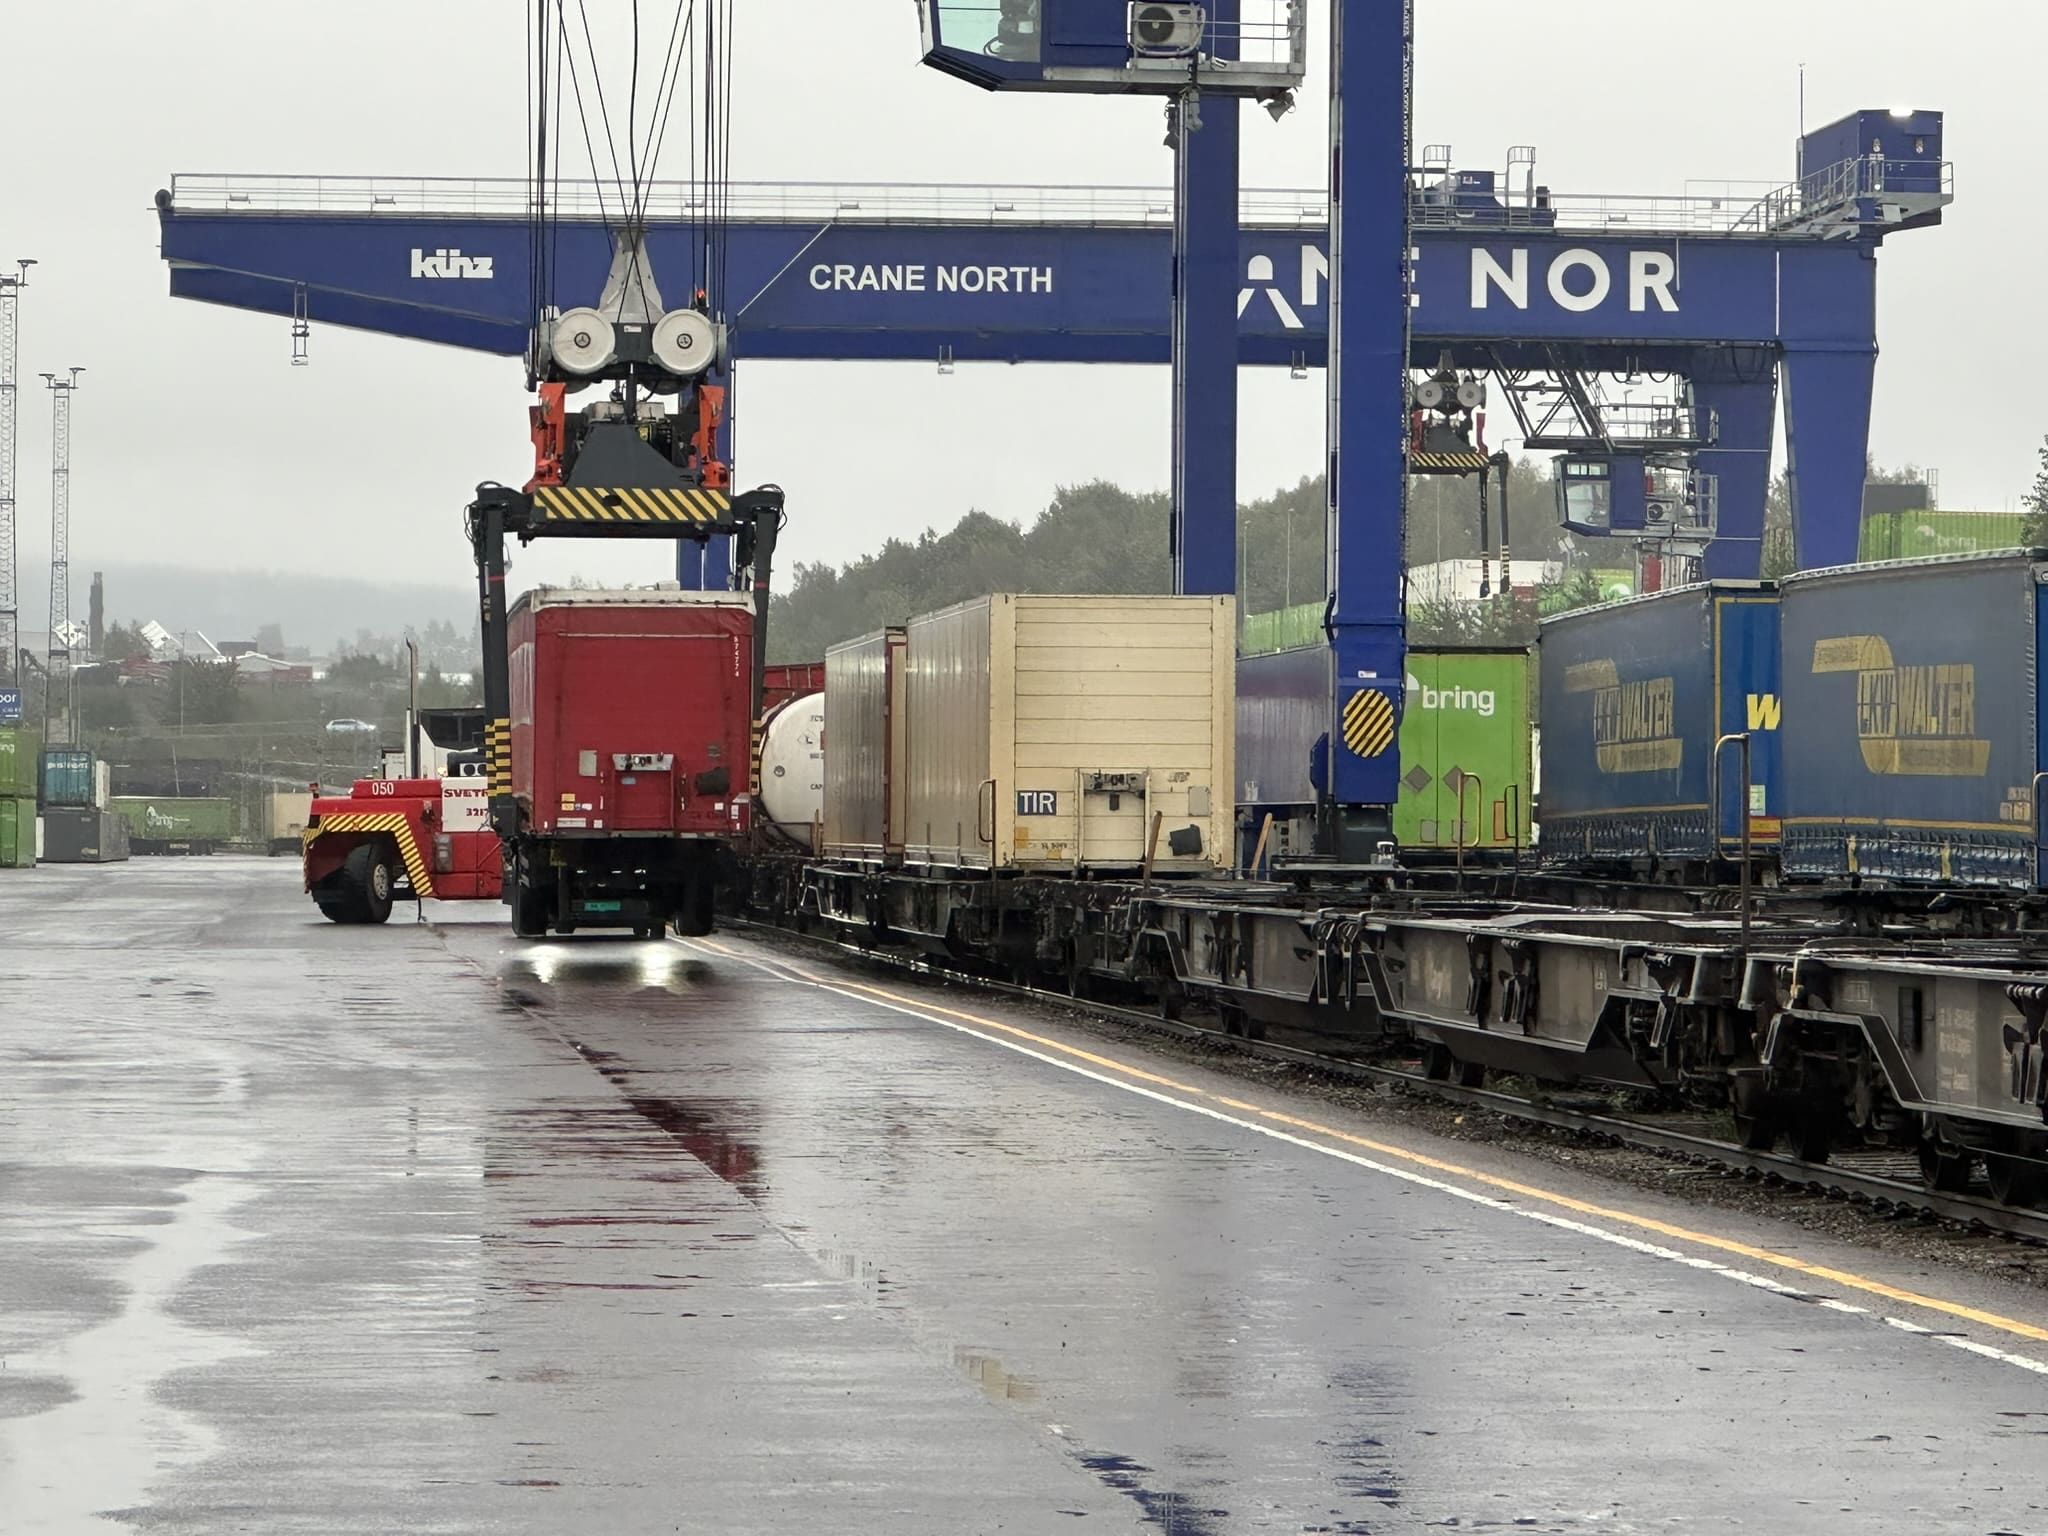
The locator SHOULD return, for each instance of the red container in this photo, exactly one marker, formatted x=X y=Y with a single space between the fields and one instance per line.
x=782 y=681
x=631 y=712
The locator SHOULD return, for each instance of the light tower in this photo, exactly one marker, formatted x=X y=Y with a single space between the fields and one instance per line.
x=58 y=727
x=11 y=285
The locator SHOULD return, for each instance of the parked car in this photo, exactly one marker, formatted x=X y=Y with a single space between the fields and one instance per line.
x=350 y=728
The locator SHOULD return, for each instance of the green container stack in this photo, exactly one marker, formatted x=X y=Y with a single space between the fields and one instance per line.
x=20 y=750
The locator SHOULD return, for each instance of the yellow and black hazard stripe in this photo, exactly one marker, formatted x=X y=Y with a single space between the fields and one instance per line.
x=398 y=824
x=1368 y=722
x=630 y=504
x=1420 y=463
x=498 y=756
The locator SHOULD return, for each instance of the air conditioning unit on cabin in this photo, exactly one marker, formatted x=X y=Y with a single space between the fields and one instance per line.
x=1160 y=30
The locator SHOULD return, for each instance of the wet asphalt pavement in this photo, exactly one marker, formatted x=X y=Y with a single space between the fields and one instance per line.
x=312 y=1229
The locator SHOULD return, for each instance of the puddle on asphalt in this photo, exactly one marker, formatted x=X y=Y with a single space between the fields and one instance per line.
x=1163 y=1507
x=597 y=964
x=71 y=1467
x=986 y=1371
x=698 y=1126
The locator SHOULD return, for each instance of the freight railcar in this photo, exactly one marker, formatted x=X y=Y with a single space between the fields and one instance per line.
x=984 y=750
x=1895 y=734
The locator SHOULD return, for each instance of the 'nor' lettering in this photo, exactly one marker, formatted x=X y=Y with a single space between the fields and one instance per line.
x=1577 y=280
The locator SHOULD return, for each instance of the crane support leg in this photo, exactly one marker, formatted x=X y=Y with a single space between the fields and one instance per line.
x=1371 y=52
x=487 y=535
x=1206 y=279
x=1746 y=410
x=1827 y=442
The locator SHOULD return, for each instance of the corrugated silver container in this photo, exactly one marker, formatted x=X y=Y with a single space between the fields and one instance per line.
x=1046 y=733
x=864 y=748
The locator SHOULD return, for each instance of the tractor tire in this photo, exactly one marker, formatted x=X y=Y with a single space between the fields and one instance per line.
x=368 y=878
x=336 y=908
x=696 y=912
x=529 y=909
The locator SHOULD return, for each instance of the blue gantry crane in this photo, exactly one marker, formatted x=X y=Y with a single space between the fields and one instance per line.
x=1540 y=295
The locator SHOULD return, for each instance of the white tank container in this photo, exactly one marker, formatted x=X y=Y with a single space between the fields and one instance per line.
x=1046 y=733
x=793 y=766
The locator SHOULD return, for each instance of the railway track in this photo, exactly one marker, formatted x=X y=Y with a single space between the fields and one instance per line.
x=1885 y=1182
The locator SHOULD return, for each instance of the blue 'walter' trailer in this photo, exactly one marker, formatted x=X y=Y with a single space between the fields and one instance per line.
x=1634 y=696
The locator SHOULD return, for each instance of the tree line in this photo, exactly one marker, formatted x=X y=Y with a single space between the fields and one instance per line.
x=1099 y=537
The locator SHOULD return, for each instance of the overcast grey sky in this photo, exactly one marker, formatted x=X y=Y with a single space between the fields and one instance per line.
x=196 y=442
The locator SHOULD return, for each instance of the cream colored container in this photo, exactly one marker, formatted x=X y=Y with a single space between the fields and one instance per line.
x=1046 y=733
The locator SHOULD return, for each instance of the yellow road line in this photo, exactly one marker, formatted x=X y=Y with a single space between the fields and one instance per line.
x=1651 y=1224
x=1672 y=1230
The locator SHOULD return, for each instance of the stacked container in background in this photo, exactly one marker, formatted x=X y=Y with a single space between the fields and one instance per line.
x=77 y=826
x=20 y=751
x=65 y=778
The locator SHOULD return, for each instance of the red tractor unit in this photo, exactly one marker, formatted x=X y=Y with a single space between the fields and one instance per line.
x=422 y=828
x=631 y=721
x=392 y=838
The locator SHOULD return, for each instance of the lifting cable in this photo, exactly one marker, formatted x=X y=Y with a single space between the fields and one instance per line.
x=568 y=56
x=551 y=52
x=604 y=115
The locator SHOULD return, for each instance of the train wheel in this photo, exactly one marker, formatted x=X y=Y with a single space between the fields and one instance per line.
x=1077 y=979
x=1437 y=1062
x=1812 y=1140
x=2014 y=1180
x=1471 y=1075
x=1172 y=1000
x=1756 y=1118
x=1944 y=1168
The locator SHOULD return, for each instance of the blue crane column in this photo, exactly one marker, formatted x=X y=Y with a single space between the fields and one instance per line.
x=1829 y=335
x=1205 y=283
x=1740 y=388
x=1371 y=48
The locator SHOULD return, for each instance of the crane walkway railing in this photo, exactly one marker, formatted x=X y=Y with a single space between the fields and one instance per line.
x=1757 y=210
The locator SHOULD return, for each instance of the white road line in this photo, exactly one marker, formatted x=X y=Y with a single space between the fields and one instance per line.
x=788 y=973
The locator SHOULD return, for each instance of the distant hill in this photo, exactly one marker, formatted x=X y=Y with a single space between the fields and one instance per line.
x=313 y=611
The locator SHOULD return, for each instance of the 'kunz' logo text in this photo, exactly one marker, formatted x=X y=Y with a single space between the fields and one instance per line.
x=448 y=262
